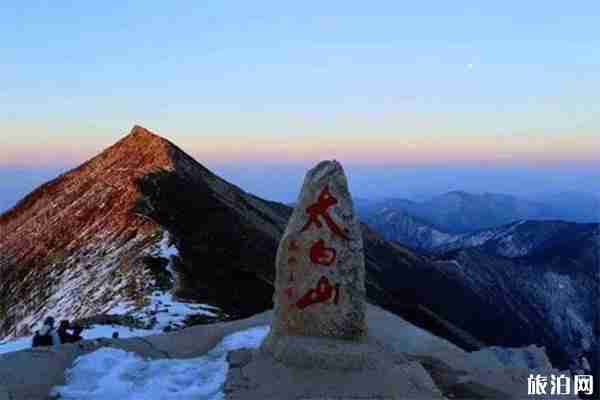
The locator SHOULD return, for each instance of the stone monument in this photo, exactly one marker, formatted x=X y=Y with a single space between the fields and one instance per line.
x=320 y=267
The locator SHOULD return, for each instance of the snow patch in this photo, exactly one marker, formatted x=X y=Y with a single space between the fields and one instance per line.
x=94 y=286
x=15 y=345
x=508 y=244
x=164 y=311
x=80 y=287
x=167 y=249
x=109 y=373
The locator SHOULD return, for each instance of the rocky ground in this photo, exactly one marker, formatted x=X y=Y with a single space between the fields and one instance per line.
x=414 y=364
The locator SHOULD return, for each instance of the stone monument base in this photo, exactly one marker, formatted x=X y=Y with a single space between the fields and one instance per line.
x=325 y=353
x=313 y=368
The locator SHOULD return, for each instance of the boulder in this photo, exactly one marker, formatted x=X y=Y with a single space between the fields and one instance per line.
x=320 y=267
x=266 y=379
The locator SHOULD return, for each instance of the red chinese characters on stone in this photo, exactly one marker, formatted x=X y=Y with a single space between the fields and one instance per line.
x=294 y=246
x=319 y=254
x=289 y=292
x=320 y=209
x=321 y=294
x=292 y=263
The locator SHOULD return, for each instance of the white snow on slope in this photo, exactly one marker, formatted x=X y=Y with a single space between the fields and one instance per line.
x=108 y=373
x=167 y=249
x=509 y=244
x=164 y=311
x=161 y=312
x=15 y=345
x=81 y=287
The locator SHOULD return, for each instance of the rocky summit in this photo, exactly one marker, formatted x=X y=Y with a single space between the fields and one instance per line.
x=74 y=245
x=320 y=283
x=89 y=241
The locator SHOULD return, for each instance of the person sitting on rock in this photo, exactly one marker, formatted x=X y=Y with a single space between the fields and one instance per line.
x=46 y=335
x=66 y=336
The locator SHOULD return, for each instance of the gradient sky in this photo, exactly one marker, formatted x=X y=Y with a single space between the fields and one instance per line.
x=243 y=84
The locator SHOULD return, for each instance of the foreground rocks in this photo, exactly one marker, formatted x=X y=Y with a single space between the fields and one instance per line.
x=420 y=365
x=412 y=364
x=31 y=374
x=264 y=378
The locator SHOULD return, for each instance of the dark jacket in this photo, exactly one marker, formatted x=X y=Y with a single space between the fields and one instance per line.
x=46 y=336
x=66 y=337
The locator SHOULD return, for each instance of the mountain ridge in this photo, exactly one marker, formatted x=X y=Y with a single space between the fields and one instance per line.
x=89 y=243
x=95 y=215
x=93 y=235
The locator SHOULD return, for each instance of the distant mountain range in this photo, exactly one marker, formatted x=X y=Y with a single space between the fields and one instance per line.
x=573 y=206
x=446 y=218
x=92 y=242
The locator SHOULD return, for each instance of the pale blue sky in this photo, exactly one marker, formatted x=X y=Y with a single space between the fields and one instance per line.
x=238 y=84
x=296 y=68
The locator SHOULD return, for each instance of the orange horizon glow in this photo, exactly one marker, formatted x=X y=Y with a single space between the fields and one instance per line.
x=366 y=149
